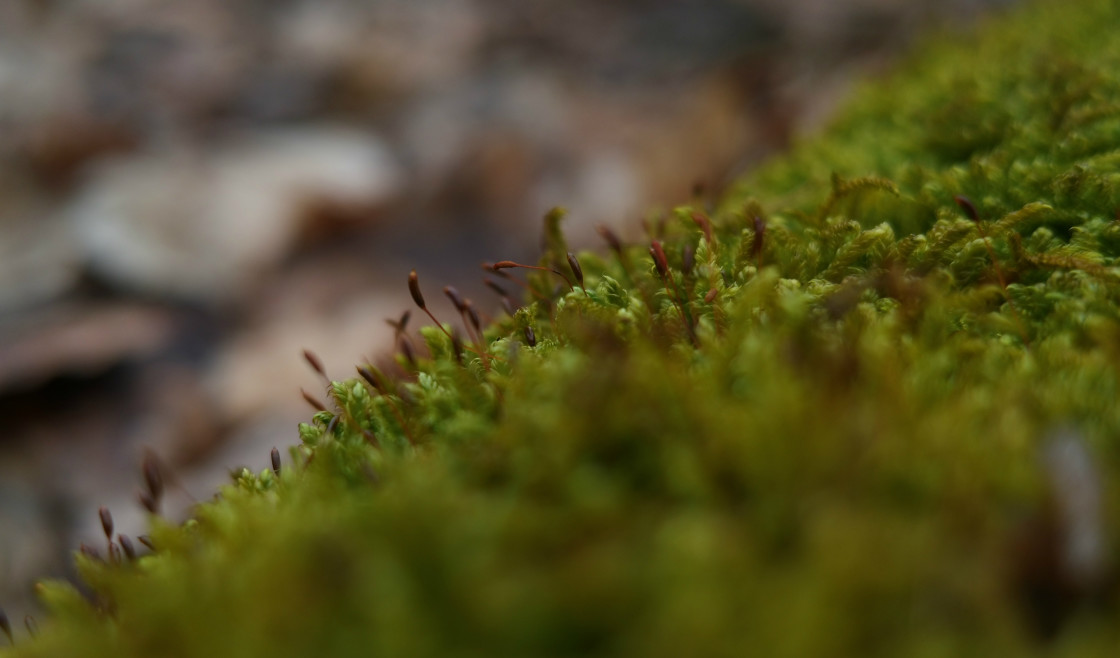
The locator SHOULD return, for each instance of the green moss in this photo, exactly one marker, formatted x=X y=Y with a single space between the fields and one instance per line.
x=836 y=454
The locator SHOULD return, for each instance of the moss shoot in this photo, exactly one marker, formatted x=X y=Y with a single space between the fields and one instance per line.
x=868 y=406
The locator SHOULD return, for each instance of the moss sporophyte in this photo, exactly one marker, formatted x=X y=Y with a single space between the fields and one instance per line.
x=864 y=405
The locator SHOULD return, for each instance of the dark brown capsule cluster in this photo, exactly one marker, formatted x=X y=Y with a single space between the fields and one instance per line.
x=115 y=550
x=467 y=312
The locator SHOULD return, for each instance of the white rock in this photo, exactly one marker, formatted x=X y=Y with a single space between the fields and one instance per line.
x=201 y=225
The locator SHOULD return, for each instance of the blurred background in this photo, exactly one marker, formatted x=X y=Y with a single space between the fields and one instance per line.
x=193 y=192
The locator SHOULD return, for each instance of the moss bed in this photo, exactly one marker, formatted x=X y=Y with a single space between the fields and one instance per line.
x=866 y=405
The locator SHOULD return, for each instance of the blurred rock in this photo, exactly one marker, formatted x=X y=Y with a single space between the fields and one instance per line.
x=38 y=257
x=261 y=371
x=79 y=340
x=202 y=225
x=385 y=49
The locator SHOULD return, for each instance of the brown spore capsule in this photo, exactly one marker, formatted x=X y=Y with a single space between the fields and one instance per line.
x=408 y=352
x=414 y=289
x=314 y=362
x=577 y=270
x=106 y=521
x=310 y=399
x=493 y=285
x=530 y=337
x=6 y=627
x=472 y=315
x=456 y=299
x=367 y=375
x=610 y=237
x=705 y=225
x=503 y=264
x=659 y=260
x=152 y=476
x=400 y=324
x=967 y=206
x=711 y=296
x=127 y=547
x=275 y=457
x=759 y=236
x=688 y=259
x=457 y=345
x=147 y=541
x=147 y=502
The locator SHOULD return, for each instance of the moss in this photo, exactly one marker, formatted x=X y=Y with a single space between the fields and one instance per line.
x=836 y=417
